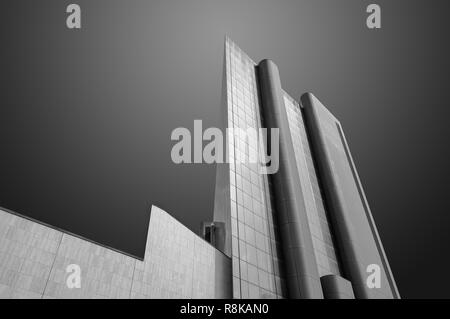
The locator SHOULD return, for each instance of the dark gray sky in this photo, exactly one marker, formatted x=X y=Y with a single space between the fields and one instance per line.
x=86 y=116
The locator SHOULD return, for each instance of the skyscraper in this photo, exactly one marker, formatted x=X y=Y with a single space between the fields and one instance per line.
x=305 y=231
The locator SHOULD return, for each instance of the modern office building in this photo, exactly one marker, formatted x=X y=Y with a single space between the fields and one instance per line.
x=305 y=231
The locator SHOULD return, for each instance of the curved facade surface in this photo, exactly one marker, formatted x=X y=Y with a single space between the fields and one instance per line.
x=301 y=272
x=322 y=239
x=355 y=229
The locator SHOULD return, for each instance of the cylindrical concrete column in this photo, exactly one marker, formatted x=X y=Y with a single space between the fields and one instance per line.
x=354 y=229
x=302 y=276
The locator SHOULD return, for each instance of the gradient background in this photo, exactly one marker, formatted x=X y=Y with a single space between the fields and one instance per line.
x=86 y=115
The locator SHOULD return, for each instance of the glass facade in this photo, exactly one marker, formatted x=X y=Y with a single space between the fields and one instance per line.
x=256 y=251
x=257 y=260
x=315 y=209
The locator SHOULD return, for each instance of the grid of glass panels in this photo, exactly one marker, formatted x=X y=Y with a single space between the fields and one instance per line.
x=317 y=218
x=256 y=251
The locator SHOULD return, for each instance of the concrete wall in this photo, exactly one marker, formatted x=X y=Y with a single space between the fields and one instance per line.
x=177 y=263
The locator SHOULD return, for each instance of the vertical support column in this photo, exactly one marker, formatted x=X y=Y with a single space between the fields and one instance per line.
x=302 y=276
x=355 y=231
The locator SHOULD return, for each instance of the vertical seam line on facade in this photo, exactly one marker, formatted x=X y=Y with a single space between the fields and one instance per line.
x=234 y=152
x=52 y=266
x=132 y=277
x=193 y=264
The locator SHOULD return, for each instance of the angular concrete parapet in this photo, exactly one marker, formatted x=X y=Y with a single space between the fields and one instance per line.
x=177 y=264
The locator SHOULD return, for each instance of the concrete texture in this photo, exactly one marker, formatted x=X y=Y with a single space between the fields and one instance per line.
x=177 y=263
